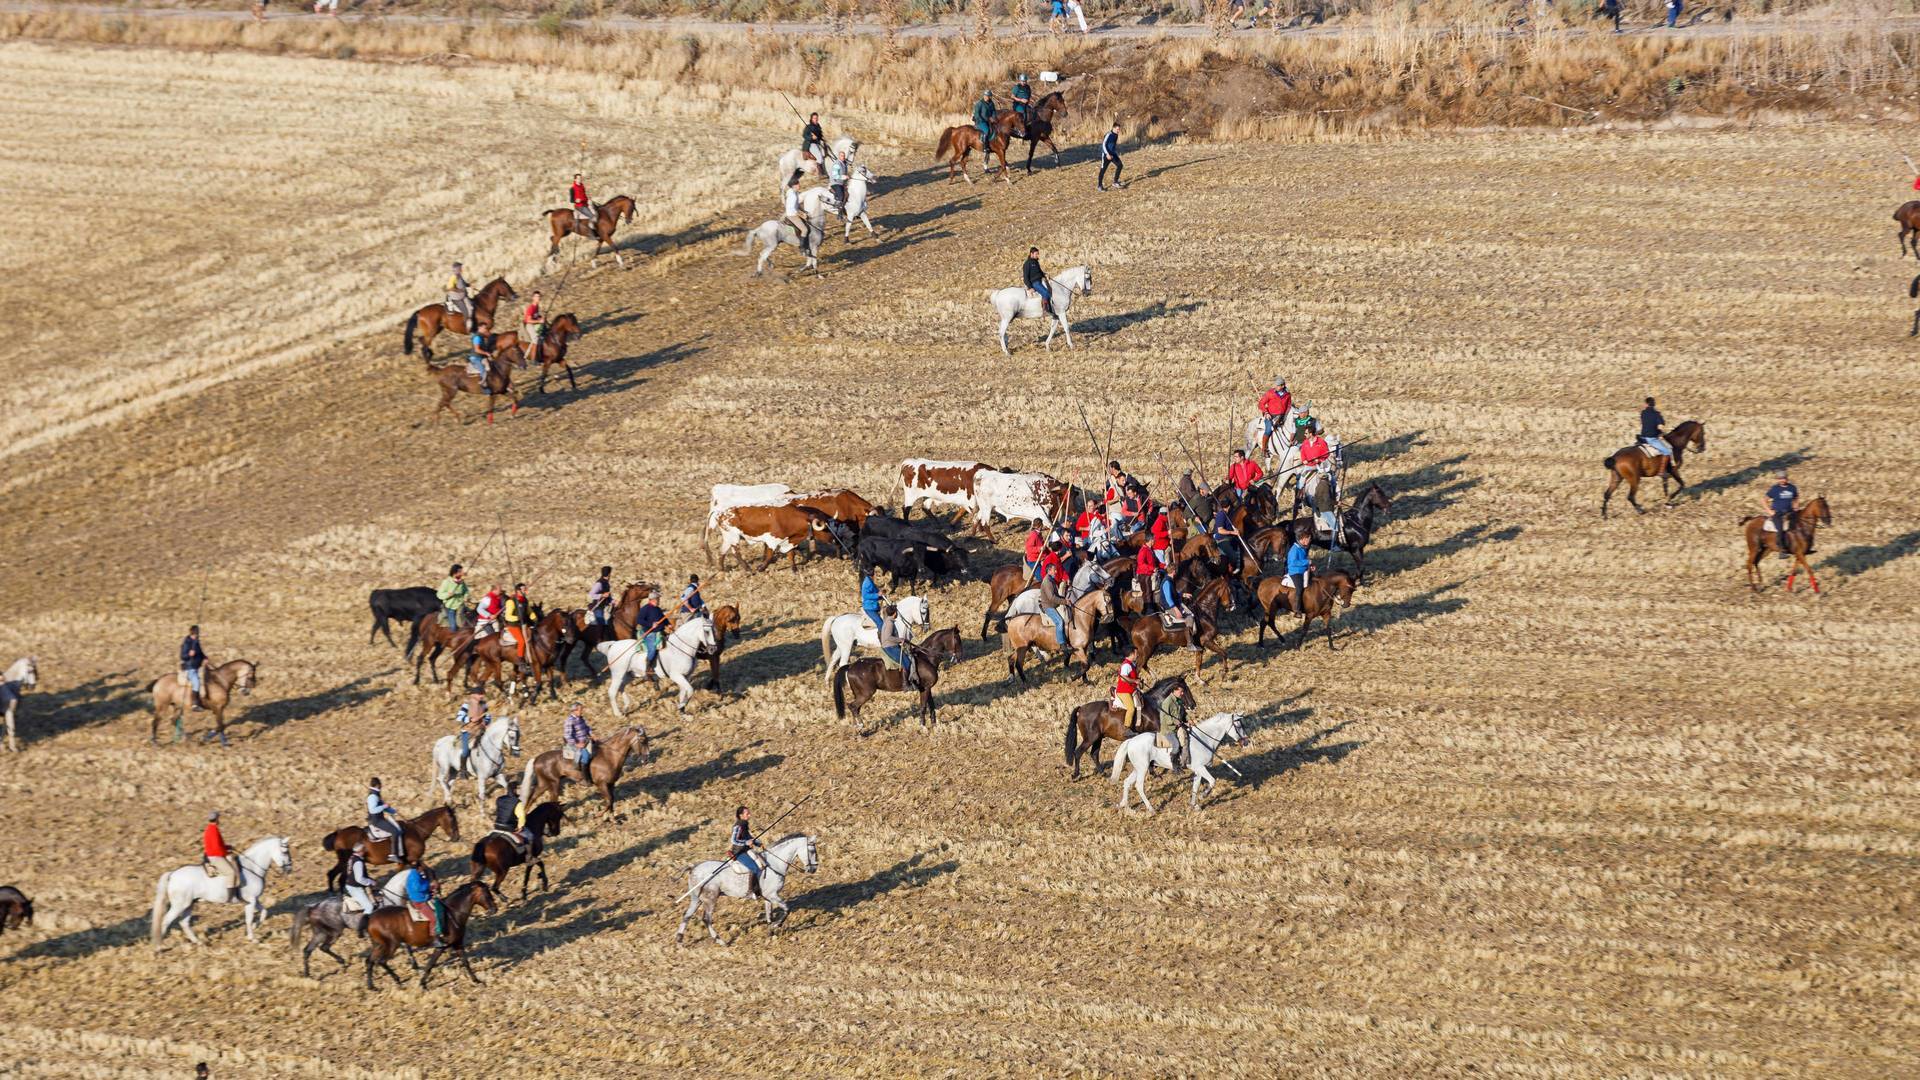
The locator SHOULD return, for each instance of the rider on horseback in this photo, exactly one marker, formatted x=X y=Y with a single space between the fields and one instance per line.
x=1651 y=436
x=1035 y=547
x=983 y=111
x=740 y=847
x=1126 y=686
x=584 y=211
x=1783 y=501
x=691 y=605
x=837 y=169
x=510 y=817
x=647 y=626
x=193 y=663
x=1244 y=473
x=426 y=906
x=1022 y=97
x=1146 y=575
x=480 y=359
x=600 y=597
x=358 y=884
x=1299 y=568
x=895 y=647
x=472 y=720
x=517 y=616
x=453 y=596
x=534 y=324
x=871 y=598
x=459 y=299
x=579 y=737
x=487 y=614
x=221 y=864
x=385 y=820
x=1035 y=279
x=1225 y=536
x=813 y=141
x=1273 y=409
x=1173 y=712
x=1053 y=586
x=791 y=214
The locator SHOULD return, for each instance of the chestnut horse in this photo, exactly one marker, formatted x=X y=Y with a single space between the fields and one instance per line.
x=497 y=853
x=855 y=684
x=958 y=142
x=1798 y=543
x=550 y=773
x=562 y=223
x=413 y=834
x=1096 y=721
x=433 y=638
x=1324 y=587
x=497 y=651
x=621 y=617
x=1035 y=631
x=1908 y=218
x=1634 y=462
x=726 y=618
x=433 y=318
x=554 y=339
x=391 y=927
x=455 y=379
x=1148 y=632
x=219 y=684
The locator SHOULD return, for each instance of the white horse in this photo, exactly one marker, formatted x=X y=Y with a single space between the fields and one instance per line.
x=1282 y=434
x=1203 y=745
x=486 y=758
x=27 y=673
x=710 y=880
x=792 y=160
x=178 y=890
x=773 y=232
x=675 y=660
x=1015 y=302
x=855 y=208
x=840 y=633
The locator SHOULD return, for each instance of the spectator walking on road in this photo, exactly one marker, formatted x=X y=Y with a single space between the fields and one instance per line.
x=1673 y=13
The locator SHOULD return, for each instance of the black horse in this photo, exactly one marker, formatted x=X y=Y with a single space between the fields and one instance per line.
x=1356 y=527
x=1039 y=125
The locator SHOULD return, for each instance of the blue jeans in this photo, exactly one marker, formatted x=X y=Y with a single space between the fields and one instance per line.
x=600 y=617
x=898 y=655
x=1046 y=295
x=1673 y=12
x=651 y=643
x=193 y=679
x=465 y=738
x=1059 y=623
x=583 y=755
x=745 y=859
x=451 y=617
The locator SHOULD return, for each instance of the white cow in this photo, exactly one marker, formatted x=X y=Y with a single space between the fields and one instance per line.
x=925 y=483
x=1016 y=496
x=728 y=496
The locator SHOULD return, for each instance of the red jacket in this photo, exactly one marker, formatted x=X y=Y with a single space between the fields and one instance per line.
x=1036 y=543
x=1084 y=522
x=212 y=842
x=1244 y=474
x=533 y=313
x=1128 y=673
x=1314 y=450
x=1144 y=564
x=1050 y=566
x=1276 y=402
x=1162 y=539
x=578 y=193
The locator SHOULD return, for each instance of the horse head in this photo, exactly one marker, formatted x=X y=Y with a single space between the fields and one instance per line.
x=452 y=819
x=513 y=736
x=637 y=734
x=1236 y=731
x=497 y=290
x=1817 y=510
x=812 y=862
x=244 y=681
x=482 y=896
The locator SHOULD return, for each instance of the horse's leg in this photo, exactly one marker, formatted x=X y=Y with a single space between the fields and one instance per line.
x=1679 y=485
x=432 y=962
x=1633 y=489
x=1613 y=481
x=186 y=924
x=1800 y=559
x=468 y=968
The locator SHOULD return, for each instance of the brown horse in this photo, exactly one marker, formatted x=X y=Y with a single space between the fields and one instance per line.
x=219 y=684
x=499 y=854
x=15 y=908
x=1635 y=462
x=501 y=652
x=430 y=320
x=554 y=339
x=562 y=223
x=1356 y=530
x=1324 y=588
x=1798 y=542
x=958 y=142
x=391 y=927
x=1039 y=125
x=1005 y=584
x=413 y=832
x=434 y=638
x=455 y=379
x=1084 y=616
x=1913 y=291
x=621 y=617
x=550 y=773
x=1096 y=721
x=1908 y=217
x=725 y=618
x=855 y=684
x=1149 y=632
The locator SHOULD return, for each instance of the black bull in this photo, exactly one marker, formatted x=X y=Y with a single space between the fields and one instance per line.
x=406 y=605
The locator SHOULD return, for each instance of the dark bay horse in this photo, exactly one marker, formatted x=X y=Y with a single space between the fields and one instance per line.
x=726 y=618
x=500 y=652
x=413 y=832
x=455 y=379
x=1091 y=724
x=1633 y=463
x=1324 y=588
x=1356 y=530
x=855 y=684
x=497 y=853
x=1908 y=218
x=1039 y=125
x=554 y=339
x=958 y=142
x=1798 y=543
x=391 y=927
x=550 y=773
x=562 y=223
x=15 y=908
x=430 y=320
x=1148 y=632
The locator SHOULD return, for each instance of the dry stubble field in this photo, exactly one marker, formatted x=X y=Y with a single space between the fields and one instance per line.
x=1567 y=799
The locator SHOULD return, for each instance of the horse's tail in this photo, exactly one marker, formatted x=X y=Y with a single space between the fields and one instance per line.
x=946 y=147
x=326 y=842
x=526 y=784
x=840 y=693
x=826 y=644
x=1608 y=463
x=1119 y=760
x=159 y=905
x=1073 y=734
x=413 y=321
x=747 y=248
x=153 y=684
x=1914 y=289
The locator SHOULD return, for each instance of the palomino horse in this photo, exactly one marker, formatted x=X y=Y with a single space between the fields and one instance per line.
x=455 y=379
x=499 y=853
x=1039 y=125
x=1635 y=462
x=23 y=675
x=840 y=633
x=1908 y=218
x=1031 y=630
x=391 y=927
x=486 y=758
x=15 y=908
x=708 y=881
x=676 y=658
x=855 y=684
x=178 y=890
x=1798 y=542
x=413 y=833
x=219 y=684
x=1091 y=724
x=563 y=223
x=1018 y=302
x=1149 y=632
x=1324 y=588
x=1204 y=741
x=550 y=773
x=956 y=143
x=430 y=320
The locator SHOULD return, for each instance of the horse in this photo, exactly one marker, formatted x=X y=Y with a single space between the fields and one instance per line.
x=708 y=881
x=855 y=684
x=500 y=853
x=176 y=891
x=391 y=927
x=1356 y=530
x=430 y=320
x=15 y=908
x=621 y=617
x=24 y=674
x=563 y=222
x=1093 y=723
x=486 y=758
x=1149 y=632
x=1259 y=447
x=807 y=164
x=1324 y=588
x=550 y=772
x=840 y=633
x=1908 y=218
x=543 y=641
x=726 y=619
x=676 y=658
x=1634 y=462
x=774 y=232
x=413 y=837
x=1028 y=630
x=1913 y=291
x=956 y=143
x=433 y=638
x=1005 y=584
x=1798 y=542
x=218 y=687
x=1204 y=740
x=855 y=208
x=1039 y=125
x=554 y=339
x=455 y=379
x=1016 y=302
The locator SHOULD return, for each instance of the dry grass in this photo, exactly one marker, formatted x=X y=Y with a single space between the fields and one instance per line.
x=1567 y=802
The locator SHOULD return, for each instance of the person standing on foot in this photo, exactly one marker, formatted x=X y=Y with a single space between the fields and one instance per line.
x=1110 y=155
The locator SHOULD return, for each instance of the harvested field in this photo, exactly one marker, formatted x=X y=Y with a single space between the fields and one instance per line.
x=1568 y=799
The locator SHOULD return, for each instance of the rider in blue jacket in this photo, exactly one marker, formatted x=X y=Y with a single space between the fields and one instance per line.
x=1299 y=567
x=870 y=597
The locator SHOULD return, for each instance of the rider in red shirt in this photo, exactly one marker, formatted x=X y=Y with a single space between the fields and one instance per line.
x=1244 y=472
x=221 y=865
x=582 y=209
x=1162 y=538
x=1314 y=450
x=1273 y=407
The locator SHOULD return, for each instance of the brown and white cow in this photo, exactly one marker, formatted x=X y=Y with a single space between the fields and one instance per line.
x=779 y=529
x=937 y=483
x=841 y=504
x=1017 y=496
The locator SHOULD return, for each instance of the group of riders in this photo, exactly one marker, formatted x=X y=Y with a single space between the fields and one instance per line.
x=1781 y=502
x=500 y=610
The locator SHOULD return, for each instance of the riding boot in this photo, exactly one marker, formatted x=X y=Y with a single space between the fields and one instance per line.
x=753 y=886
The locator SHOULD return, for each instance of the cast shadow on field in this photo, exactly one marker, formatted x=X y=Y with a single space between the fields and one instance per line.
x=727 y=765
x=772 y=662
x=611 y=375
x=535 y=928
x=885 y=244
x=1427 y=605
x=615 y=861
x=1164 y=169
x=1751 y=474
x=1109 y=325
x=1384 y=449
x=1861 y=558
x=1403 y=558
x=103 y=698
x=887 y=223
x=347 y=695
x=830 y=903
x=84 y=943
x=1276 y=762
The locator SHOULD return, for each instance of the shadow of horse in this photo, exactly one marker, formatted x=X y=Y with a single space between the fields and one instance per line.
x=1391 y=447
x=1751 y=473
x=1403 y=558
x=1108 y=325
x=1428 y=605
x=831 y=902
x=887 y=244
x=1272 y=764
x=47 y=714
x=892 y=222
x=612 y=862
x=1861 y=558
x=725 y=766
x=80 y=944
x=608 y=376
x=272 y=714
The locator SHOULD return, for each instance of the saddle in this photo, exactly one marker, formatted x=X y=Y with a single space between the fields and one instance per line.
x=351 y=907
x=1025 y=603
x=415 y=914
x=1766 y=524
x=1171 y=620
x=511 y=836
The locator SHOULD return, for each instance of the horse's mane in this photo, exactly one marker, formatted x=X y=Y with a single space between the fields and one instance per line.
x=1160 y=687
x=789 y=836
